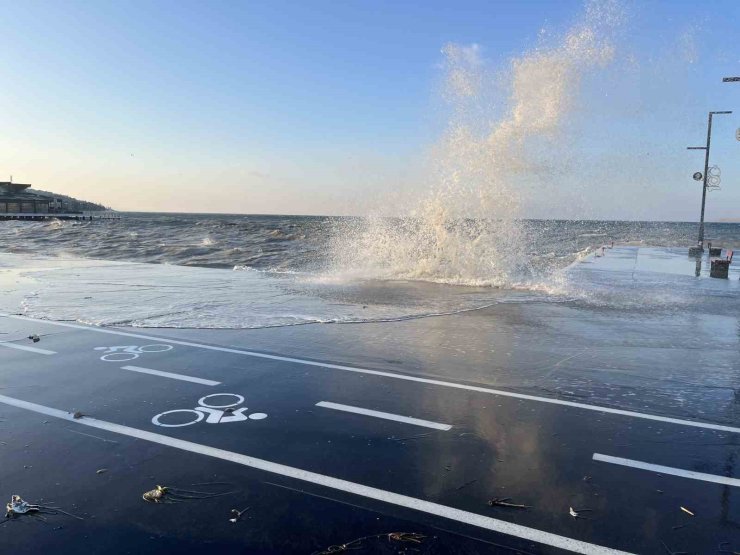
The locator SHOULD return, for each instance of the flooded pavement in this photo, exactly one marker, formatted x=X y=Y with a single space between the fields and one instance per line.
x=522 y=428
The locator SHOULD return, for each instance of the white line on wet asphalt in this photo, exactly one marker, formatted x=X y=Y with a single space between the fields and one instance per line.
x=473 y=519
x=479 y=389
x=170 y=375
x=384 y=415
x=29 y=349
x=724 y=480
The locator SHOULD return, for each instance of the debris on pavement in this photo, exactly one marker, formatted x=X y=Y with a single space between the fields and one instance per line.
x=35 y=338
x=77 y=415
x=506 y=502
x=17 y=506
x=466 y=484
x=166 y=494
x=238 y=514
x=101 y=471
x=154 y=495
x=684 y=509
x=408 y=537
x=577 y=513
x=418 y=436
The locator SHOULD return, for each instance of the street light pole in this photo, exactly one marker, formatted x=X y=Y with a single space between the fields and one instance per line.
x=706 y=170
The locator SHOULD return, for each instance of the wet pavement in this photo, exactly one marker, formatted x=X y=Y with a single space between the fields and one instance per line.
x=332 y=433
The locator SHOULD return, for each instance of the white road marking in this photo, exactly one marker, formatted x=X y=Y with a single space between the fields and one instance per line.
x=384 y=415
x=26 y=348
x=479 y=389
x=121 y=353
x=217 y=414
x=170 y=375
x=239 y=400
x=724 y=480
x=473 y=519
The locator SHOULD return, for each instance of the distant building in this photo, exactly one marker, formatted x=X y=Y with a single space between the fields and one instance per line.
x=14 y=199
x=18 y=203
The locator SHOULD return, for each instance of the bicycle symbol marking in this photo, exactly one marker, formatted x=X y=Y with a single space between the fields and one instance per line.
x=122 y=353
x=218 y=412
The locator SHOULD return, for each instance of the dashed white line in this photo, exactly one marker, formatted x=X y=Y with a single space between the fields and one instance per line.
x=479 y=389
x=724 y=480
x=473 y=519
x=384 y=415
x=26 y=348
x=171 y=375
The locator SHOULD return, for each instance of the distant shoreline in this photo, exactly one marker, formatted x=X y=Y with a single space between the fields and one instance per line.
x=359 y=217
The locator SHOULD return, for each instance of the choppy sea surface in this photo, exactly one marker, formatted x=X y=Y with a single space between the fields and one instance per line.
x=242 y=271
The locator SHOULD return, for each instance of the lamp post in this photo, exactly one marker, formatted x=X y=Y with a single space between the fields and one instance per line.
x=706 y=170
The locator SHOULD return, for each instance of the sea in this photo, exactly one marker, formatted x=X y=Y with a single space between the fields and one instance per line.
x=254 y=271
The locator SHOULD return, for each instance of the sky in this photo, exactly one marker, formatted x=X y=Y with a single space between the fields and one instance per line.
x=331 y=107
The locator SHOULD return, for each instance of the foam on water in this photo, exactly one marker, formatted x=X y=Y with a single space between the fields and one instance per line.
x=158 y=295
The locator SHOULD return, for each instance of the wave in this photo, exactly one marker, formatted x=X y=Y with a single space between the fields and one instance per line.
x=467 y=230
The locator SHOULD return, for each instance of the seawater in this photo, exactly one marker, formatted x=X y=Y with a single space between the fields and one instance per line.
x=303 y=244
x=231 y=271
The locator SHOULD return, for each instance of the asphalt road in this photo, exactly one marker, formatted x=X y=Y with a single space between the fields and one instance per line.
x=323 y=452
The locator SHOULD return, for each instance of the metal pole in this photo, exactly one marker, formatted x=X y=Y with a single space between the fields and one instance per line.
x=730 y=79
x=706 y=171
x=704 y=189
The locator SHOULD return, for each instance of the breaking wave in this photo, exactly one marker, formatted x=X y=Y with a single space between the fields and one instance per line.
x=467 y=229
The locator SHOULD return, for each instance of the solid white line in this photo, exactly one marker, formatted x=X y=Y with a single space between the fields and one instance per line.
x=479 y=389
x=384 y=415
x=29 y=349
x=474 y=519
x=170 y=375
x=724 y=480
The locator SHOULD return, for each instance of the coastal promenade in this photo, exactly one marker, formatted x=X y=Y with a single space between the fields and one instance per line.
x=609 y=423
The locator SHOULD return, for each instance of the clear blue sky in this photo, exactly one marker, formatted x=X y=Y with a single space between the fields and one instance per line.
x=308 y=107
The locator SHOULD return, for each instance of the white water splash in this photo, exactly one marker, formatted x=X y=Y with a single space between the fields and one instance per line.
x=467 y=229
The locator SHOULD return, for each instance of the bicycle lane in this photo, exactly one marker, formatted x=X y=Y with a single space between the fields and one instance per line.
x=536 y=455
x=114 y=411
x=497 y=447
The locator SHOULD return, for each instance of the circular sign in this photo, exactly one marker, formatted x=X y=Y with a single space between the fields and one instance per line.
x=698 y=176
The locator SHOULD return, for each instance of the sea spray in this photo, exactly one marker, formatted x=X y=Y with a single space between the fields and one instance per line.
x=467 y=228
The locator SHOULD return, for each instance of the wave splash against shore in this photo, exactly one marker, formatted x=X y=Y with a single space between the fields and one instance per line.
x=467 y=229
